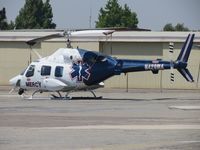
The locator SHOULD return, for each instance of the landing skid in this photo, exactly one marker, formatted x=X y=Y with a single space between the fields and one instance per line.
x=60 y=97
x=87 y=98
x=76 y=98
x=32 y=95
x=67 y=97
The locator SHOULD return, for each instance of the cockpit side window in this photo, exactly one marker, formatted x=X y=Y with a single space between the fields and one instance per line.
x=94 y=57
x=59 y=71
x=90 y=57
x=46 y=71
x=30 y=71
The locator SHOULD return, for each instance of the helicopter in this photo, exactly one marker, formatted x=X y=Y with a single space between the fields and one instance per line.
x=75 y=69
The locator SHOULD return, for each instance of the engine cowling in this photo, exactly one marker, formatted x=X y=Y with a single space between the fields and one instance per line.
x=53 y=84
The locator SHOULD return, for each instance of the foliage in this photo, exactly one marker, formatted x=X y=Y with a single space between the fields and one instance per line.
x=181 y=27
x=4 y=25
x=168 y=27
x=178 y=27
x=113 y=15
x=11 y=25
x=48 y=15
x=35 y=14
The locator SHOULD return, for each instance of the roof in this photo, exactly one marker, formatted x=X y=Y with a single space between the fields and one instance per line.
x=117 y=36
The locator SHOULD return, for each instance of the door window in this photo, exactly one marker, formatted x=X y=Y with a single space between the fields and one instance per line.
x=46 y=71
x=59 y=71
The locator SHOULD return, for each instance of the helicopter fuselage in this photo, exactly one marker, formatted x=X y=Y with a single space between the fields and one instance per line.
x=66 y=70
x=76 y=69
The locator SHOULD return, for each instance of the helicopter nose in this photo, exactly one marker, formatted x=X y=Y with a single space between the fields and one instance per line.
x=13 y=81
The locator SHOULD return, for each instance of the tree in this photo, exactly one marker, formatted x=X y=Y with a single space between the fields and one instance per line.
x=11 y=25
x=113 y=15
x=181 y=27
x=35 y=15
x=168 y=27
x=4 y=25
x=48 y=15
x=178 y=27
x=3 y=21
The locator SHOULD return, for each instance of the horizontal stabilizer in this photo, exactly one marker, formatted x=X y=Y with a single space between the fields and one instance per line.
x=186 y=74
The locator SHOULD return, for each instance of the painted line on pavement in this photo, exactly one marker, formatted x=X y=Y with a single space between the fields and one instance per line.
x=185 y=107
x=124 y=127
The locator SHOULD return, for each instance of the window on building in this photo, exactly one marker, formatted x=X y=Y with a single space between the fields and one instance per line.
x=46 y=71
x=30 y=71
x=59 y=71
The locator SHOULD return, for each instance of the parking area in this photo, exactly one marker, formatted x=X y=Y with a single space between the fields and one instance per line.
x=139 y=119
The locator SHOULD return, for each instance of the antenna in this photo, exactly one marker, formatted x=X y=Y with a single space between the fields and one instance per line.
x=90 y=17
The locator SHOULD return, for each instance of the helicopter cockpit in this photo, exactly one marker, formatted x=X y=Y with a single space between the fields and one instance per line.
x=93 y=57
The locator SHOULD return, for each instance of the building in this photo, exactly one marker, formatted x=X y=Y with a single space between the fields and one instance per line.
x=15 y=54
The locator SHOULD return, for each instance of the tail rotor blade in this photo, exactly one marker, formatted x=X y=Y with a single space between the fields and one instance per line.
x=171 y=47
x=172 y=76
x=171 y=52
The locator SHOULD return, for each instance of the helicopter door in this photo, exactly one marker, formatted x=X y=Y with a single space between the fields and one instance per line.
x=59 y=71
x=30 y=78
x=45 y=73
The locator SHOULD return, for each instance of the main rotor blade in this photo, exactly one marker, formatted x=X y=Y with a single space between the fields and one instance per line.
x=90 y=32
x=76 y=33
x=39 y=39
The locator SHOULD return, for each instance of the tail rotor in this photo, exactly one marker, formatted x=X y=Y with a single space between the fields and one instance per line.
x=171 y=52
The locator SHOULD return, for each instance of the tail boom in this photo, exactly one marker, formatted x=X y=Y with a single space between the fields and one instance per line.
x=124 y=66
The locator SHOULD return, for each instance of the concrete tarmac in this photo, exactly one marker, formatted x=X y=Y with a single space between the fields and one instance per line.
x=140 y=119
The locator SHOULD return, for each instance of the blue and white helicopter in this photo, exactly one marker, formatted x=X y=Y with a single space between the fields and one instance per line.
x=68 y=69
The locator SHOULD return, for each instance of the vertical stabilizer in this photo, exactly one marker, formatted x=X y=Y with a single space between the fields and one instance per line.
x=186 y=49
x=183 y=58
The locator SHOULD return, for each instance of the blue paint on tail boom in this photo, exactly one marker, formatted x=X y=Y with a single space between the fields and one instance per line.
x=103 y=67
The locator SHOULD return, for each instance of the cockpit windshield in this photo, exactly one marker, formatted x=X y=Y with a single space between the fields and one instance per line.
x=30 y=71
x=90 y=57
x=22 y=73
x=93 y=57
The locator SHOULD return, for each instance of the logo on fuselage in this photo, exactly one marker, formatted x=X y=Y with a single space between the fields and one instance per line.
x=154 y=66
x=33 y=84
x=80 y=71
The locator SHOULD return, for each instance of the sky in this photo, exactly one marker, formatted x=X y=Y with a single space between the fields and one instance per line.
x=152 y=14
